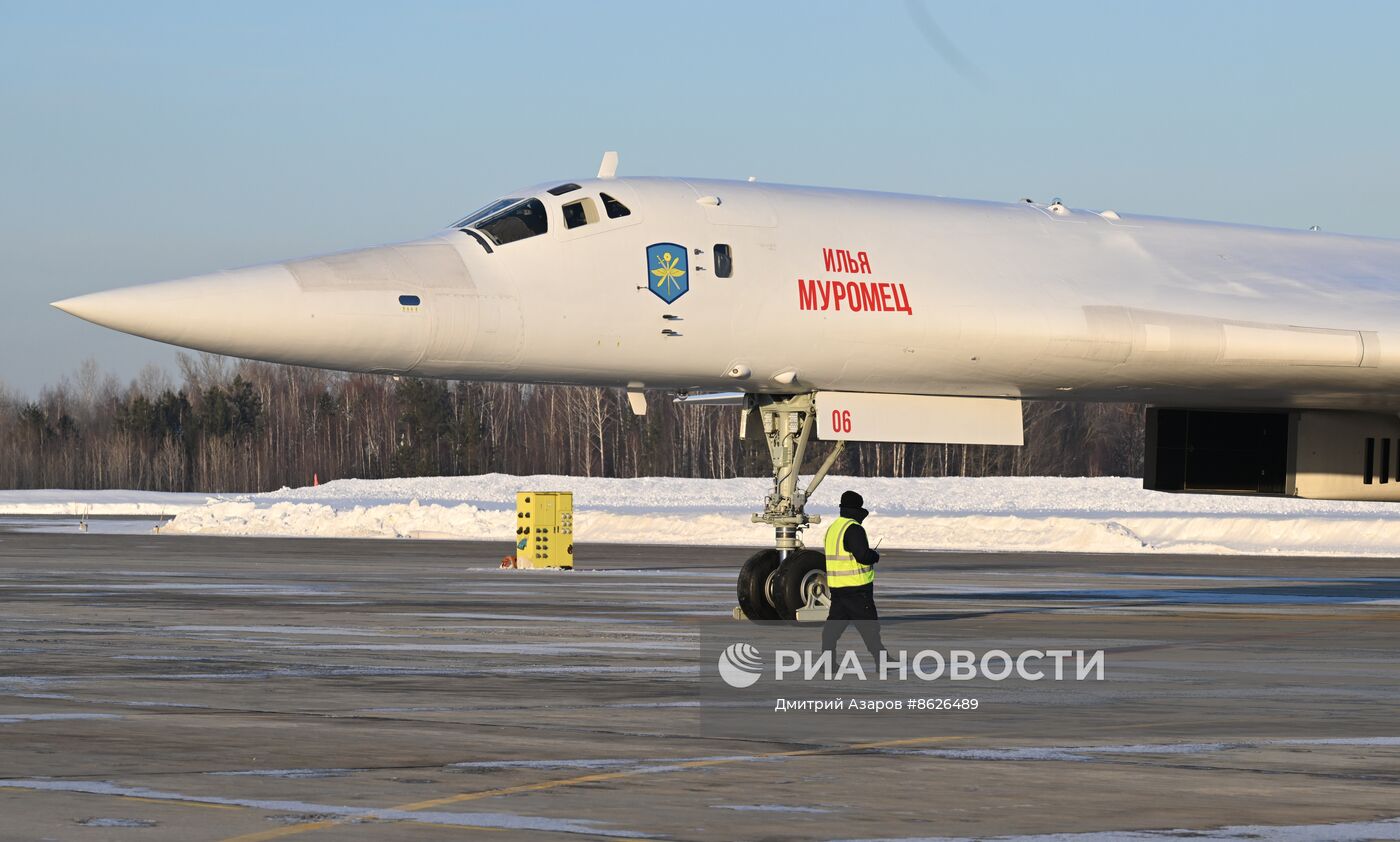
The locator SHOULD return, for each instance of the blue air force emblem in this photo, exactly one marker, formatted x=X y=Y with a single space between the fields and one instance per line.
x=668 y=271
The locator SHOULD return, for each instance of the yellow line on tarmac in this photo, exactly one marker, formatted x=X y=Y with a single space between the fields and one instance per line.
x=596 y=777
x=540 y=786
x=599 y=777
x=295 y=829
x=204 y=804
x=279 y=832
x=683 y=765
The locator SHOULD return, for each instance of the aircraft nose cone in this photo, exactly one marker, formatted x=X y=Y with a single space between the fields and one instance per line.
x=342 y=311
x=79 y=305
x=94 y=307
x=200 y=312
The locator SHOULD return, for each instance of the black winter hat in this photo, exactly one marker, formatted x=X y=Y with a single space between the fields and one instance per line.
x=851 y=500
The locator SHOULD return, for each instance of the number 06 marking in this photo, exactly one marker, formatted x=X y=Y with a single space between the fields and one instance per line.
x=840 y=420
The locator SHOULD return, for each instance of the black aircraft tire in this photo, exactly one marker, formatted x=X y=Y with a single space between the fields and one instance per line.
x=753 y=585
x=802 y=570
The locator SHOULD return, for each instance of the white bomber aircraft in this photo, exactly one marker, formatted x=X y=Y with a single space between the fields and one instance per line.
x=1270 y=358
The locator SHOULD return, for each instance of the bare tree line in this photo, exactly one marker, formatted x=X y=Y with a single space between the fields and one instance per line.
x=245 y=426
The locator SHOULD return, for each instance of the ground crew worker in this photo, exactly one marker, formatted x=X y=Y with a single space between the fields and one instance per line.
x=850 y=577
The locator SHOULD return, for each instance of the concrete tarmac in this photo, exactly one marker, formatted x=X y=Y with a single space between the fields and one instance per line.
x=185 y=688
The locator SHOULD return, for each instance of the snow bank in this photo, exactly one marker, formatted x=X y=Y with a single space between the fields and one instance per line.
x=1003 y=513
x=97 y=503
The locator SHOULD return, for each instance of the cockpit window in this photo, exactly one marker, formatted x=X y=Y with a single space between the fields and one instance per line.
x=562 y=189
x=499 y=204
x=614 y=208
x=526 y=219
x=579 y=213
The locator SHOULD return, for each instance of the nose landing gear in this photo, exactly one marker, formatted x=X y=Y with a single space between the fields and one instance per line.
x=787 y=582
x=756 y=577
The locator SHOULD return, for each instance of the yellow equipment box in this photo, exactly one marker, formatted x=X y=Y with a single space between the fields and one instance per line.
x=544 y=529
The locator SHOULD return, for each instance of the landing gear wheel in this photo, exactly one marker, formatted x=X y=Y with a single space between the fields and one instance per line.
x=800 y=581
x=754 y=579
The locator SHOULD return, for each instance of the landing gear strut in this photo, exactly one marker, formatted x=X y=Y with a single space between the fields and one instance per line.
x=787 y=582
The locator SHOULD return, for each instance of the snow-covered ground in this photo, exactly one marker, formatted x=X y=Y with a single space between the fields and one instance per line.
x=97 y=503
x=1003 y=513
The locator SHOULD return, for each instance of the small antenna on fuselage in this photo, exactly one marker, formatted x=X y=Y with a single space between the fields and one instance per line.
x=608 y=168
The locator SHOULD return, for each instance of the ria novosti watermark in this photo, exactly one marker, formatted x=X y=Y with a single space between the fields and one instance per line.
x=742 y=665
x=753 y=680
x=983 y=673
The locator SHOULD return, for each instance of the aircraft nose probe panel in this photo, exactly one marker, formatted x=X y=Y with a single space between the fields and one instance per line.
x=427 y=279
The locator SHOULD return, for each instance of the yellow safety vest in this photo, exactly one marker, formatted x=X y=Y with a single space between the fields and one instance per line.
x=842 y=569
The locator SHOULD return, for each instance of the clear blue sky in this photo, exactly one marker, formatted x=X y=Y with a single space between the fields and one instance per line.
x=151 y=140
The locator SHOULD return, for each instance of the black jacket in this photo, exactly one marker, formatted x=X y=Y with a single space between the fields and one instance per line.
x=856 y=542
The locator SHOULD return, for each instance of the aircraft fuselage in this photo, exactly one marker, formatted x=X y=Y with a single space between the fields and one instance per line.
x=826 y=290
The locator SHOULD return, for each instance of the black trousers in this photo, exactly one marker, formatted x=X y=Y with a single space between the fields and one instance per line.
x=853 y=605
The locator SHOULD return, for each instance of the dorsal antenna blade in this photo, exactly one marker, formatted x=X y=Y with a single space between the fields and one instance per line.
x=608 y=169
